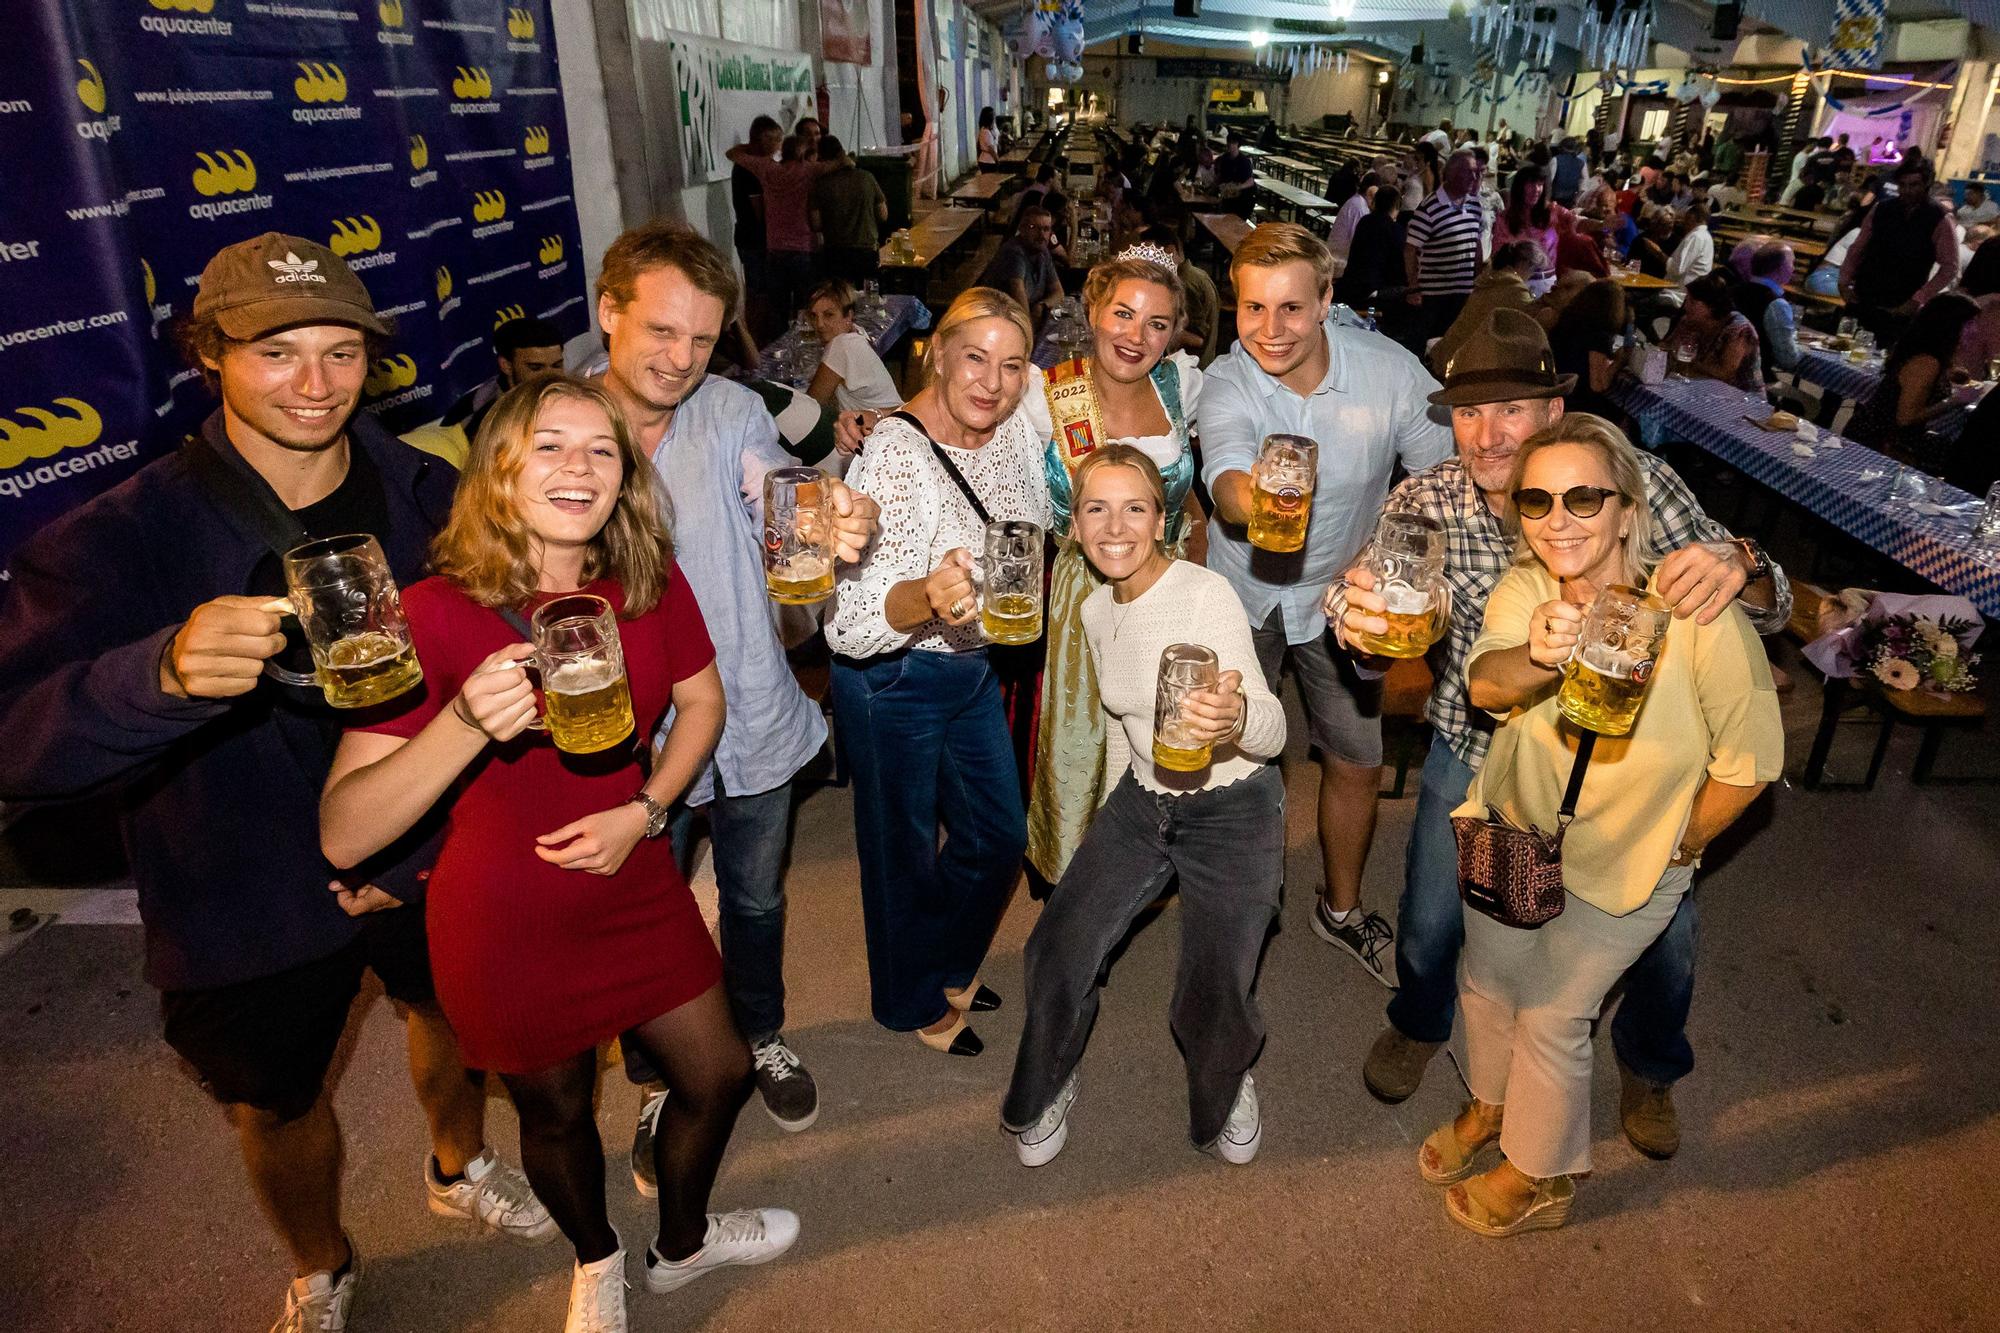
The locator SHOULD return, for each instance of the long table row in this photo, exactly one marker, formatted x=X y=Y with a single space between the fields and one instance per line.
x=1845 y=484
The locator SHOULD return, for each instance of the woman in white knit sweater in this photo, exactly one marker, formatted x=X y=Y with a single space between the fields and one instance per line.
x=1220 y=830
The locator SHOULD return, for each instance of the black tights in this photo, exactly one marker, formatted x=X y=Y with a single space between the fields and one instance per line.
x=698 y=1051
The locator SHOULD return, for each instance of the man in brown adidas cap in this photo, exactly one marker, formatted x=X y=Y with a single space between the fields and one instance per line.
x=1500 y=388
x=132 y=655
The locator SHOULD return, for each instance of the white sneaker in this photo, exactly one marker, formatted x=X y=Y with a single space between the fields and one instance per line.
x=752 y=1236
x=494 y=1195
x=597 y=1296
x=1038 y=1144
x=1243 y=1133
x=320 y=1303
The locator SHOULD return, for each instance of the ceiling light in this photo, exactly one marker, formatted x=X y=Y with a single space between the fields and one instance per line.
x=1259 y=38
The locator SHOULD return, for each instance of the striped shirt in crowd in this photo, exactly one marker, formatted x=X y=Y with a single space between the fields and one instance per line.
x=1447 y=234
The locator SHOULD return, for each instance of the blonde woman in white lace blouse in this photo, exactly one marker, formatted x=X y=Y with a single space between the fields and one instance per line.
x=916 y=702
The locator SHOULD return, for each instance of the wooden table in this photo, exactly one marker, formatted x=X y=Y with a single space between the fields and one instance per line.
x=983 y=190
x=1305 y=175
x=933 y=235
x=1196 y=197
x=1293 y=197
x=1227 y=229
x=1636 y=281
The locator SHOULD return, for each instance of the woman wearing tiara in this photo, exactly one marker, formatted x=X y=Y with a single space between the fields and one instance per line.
x=1127 y=391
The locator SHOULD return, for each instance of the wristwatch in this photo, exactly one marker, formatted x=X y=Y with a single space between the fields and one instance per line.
x=1760 y=563
x=657 y=815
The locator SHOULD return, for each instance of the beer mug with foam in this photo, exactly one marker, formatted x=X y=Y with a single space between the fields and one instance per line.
x=1185 y=668
x=582 y=664
x=798 y=536
x=1010 y=582
x=1605 y=681
x=341 y=590
x=1407 y=560
x=1281 y=492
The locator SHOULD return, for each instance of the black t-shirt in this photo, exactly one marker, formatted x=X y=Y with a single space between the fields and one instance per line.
x=743 y=189
x=356 y=505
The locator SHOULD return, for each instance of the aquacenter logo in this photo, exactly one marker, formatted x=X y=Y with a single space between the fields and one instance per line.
x=325 y=84
x=184 y=18
x=77 y=427
x=354 y=236
x=223 y=173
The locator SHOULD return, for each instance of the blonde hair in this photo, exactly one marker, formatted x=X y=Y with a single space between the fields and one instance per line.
x=487 y=547
x=1104 y=279
x=1628 y=478
x=1119 y=455
x=1273 y=243
x=663 y=244
x=976 y=303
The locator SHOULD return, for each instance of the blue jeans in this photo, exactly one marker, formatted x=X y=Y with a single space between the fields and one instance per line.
x=1649 y=1031
x=748 y=836
x=928 y=748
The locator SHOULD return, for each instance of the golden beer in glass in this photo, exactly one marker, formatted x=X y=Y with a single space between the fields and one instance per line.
x=1185 y=668
x=587 y=699
x=1602 y=696
x=367 y=669
x=1281 y=492
x=1011 y=618
x=1009 y=577
x=1406 y=559
x=1604 y=684
x=345 y=598
x=798 y=536
x=589 y=706
x=804 y=580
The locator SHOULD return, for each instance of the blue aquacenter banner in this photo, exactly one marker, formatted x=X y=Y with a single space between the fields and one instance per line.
x=423 y=140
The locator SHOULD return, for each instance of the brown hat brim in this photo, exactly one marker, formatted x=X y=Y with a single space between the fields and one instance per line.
x=254 y=319
x=1473 y=390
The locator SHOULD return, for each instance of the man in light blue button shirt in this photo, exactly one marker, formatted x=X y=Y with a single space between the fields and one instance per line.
x=663 y=299
x=1365 y=401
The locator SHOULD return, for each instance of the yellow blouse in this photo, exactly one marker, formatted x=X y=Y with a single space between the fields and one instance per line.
x=1711 y=710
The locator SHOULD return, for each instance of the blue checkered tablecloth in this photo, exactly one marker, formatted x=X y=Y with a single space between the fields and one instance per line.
x=1835 y=484
x=905 y=313
x=1834 y=372
x=1856 y=381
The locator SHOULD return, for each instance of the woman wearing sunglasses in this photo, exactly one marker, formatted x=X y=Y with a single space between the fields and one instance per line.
x=1706 y=741
x=557 y=917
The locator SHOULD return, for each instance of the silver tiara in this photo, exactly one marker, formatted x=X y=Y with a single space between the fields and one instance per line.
x=1150 y=253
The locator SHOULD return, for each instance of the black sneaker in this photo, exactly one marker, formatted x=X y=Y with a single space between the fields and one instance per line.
x=788 y=1090
x=1365 y=934
x=642 y=1141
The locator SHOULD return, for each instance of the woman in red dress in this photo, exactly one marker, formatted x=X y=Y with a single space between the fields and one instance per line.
x=558 y=918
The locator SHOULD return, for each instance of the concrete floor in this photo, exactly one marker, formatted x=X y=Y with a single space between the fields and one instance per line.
x=1845 y=1095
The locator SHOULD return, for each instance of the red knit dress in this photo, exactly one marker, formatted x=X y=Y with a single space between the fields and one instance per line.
x=535 y=964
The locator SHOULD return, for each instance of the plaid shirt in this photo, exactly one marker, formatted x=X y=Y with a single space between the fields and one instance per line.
x=1478 y=552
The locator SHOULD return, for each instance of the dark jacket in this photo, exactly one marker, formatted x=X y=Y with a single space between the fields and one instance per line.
x=220 y=798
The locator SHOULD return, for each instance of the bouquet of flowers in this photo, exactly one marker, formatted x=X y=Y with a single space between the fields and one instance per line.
x=1910 y=652
x=1902 y=641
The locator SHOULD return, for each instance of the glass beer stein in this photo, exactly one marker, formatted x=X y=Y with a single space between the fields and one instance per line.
x=1605 y=680
x=1010 y=582
x=1185 y=668
x=798 y=536
x=582 y=664
x=347 y=604
x=1407 y=560
x=1281 y=492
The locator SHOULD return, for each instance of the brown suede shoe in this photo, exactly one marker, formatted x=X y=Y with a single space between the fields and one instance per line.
x=1395 y=1065
x=1646 y=1110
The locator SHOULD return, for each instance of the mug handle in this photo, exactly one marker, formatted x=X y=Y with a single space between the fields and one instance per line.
x=283 y=606
x=541 y=723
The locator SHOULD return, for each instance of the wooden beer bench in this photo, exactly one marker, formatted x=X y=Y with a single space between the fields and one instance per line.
x=933 y=236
